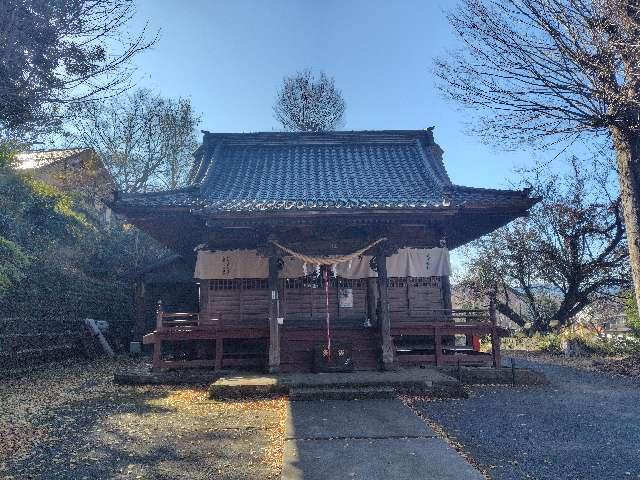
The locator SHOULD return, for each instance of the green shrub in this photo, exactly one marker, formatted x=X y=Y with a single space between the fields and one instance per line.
x=53 y=199
x=550 y=343
x=532 y=343
x=13 y=262
x=609 y=347
x=589 y=343
x=8 y=150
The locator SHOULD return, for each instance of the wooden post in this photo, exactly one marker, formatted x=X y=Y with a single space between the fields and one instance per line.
x=446 y=287
x=385 y=322
x=157 y=344
x=446 y=294
x=495 y=334
x=219 y=352
x=438 y=346
x=372 y=300
x=159 y=313
x=274 y=328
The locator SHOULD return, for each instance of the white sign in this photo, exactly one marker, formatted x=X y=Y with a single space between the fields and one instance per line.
x=346 y=297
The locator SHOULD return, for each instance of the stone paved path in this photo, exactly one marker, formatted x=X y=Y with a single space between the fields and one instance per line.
x=366 y=439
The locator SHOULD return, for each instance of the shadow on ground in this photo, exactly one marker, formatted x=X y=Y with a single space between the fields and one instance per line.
x=73 y=423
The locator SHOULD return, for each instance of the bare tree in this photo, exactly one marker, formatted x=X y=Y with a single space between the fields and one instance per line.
x=554 y=70
x=307 y=104
x=145 y=141
x=56 y=52
x=567 y=253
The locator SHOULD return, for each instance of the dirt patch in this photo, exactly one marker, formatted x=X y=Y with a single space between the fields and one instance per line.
x=69 y=420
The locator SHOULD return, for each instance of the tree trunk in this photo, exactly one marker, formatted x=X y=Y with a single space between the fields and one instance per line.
x=627 y=147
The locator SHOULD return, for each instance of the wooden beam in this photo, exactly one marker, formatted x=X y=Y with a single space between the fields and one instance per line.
x=412 y=359
x=186 y=363
x=274 y=328
x=385 y=320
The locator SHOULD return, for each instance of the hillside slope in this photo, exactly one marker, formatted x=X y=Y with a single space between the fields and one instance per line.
x=59 y=263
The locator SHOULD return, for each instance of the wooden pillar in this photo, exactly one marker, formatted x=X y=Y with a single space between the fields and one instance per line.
x=437 y=337
x=372 y=300
x=446 y=294
x=274 y=328
x=446 y=286
x=156 y=363
x=384 y=320
x=495 y=334
x=159 y=314
x=219 y=351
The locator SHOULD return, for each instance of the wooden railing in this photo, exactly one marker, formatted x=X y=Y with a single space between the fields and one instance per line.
x=472 y=316
x=468 y=322
x=169 y=320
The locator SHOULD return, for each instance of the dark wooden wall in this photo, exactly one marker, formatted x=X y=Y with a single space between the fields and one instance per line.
x=298 y=347
x=305 y=306
x=415 y=299
x=245 y=302
x=235 y=303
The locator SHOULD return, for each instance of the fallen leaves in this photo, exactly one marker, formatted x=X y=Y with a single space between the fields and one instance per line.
x=70 y=419
x=629 y=366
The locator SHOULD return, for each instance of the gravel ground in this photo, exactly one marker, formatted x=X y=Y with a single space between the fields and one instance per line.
x=584 y=425
x=69 y=421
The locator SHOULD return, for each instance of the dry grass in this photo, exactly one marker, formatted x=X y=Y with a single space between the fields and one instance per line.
x=70 y=421
x=621 y=364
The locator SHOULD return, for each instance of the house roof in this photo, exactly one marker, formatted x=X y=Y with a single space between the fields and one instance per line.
x=262 y=172
x=41 y=158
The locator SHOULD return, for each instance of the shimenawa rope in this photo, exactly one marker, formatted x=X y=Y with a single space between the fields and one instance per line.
x=326 y=261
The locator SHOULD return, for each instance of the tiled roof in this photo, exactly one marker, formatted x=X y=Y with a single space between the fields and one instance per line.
x=319 y=171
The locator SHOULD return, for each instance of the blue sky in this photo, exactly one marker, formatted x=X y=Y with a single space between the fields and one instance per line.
x=230 y=57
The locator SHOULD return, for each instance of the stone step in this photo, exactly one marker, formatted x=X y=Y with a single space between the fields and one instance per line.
x=345 y=393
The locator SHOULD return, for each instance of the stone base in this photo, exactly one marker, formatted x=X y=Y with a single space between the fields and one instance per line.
x=362 y=384
x=135 y=348
x=497 y=376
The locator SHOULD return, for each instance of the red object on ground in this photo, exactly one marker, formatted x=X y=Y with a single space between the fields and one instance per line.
x=475 y=342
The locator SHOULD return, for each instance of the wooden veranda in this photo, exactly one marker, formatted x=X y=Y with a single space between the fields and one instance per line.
x=412 y=342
